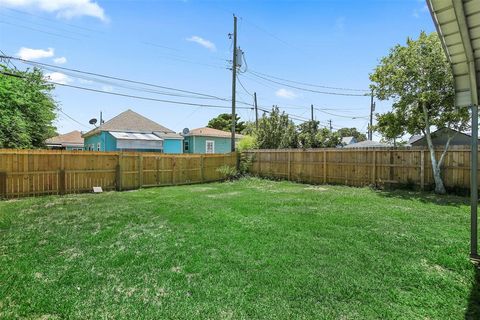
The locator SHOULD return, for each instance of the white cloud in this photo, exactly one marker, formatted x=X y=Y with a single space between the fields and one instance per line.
x=284 y=93
x=107 y=88
x=83 y=81
x=203 y=42
x=63 y=8
x=60 y=60
x=33 y=54
x=58 y=77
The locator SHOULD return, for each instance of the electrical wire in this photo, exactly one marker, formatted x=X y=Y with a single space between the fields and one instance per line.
x=39 y=30
x=113 y=78
x=243 y=87
x=74 y=120
x=309 y=90
x=127 y=95
x=309 y=84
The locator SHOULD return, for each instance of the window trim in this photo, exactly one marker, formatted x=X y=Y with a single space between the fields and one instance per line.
x=99 y=146
x=186 y=145
x=206 y=146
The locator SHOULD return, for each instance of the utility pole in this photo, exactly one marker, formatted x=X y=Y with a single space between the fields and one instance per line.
x=330 y=124
x=372 y=109
x=234 y=81
x=256 y=109
x=311 y=110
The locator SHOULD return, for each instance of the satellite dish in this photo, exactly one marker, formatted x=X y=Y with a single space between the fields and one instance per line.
x=93 y=121
x=185 y=131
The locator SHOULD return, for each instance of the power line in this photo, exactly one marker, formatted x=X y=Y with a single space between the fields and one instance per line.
x=114 y=78
x=243 y=87
x=306 y=89
x=43 y=25
x=126 y=95
x=341 y=116
x=309 y=84
x=39 y=30
x=52 y=20
x=74 y=120
x=8 y=61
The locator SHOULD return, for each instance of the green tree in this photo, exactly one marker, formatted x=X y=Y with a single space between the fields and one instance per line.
x=352 y=132
x=224 y=122
x=27 y=109
x=328 y=139
x=276 y=131
x=418 y=78
x=307 y=134
x=391 y=126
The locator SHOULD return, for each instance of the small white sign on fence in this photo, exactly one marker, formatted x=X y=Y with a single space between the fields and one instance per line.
x=97 y=189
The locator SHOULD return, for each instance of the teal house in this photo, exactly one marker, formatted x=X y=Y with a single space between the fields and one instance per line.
x=130 y=131
x=207 y=140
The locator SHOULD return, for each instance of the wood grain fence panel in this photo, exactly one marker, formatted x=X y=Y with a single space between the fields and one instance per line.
x=40 y=172
x=360 y=167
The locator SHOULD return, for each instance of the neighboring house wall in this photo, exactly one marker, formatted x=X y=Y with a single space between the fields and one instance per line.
x=107 y=142
x=73 y=148
x=173 y=146
x=197 y=144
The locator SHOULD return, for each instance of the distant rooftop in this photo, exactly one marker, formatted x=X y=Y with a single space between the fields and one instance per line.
x=368 y=144
x=210 y=132
x=71 y=138
x=130 y=121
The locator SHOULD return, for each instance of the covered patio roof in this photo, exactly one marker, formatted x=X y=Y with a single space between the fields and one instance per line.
x=458 y=26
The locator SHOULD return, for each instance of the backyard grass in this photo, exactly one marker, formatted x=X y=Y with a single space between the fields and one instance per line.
x=238 y=250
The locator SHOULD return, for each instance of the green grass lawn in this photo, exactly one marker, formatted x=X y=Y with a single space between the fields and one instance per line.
x=239 y=250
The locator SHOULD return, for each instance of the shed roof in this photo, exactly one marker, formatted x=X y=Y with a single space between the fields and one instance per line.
x=129 y=121
x=458 y=26
x=368 y=144
x=210 y=132
x=71 y=138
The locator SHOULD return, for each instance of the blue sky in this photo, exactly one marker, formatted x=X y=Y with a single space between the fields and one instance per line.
x=185 y=45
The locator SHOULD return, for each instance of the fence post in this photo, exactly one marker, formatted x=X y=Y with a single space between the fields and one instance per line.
x=289 y=165
x=391 y=167
x=3 y=185
x=140 y=171
x=118 y=173
x=422 y=169
x=324 y=166
x=374 y=169
x=174 y=163
x=61 y=182
x=259 y=164
x=158 y=170
x=202 y=171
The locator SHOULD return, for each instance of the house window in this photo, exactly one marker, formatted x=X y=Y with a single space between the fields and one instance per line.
x=209 y=146
x=185 y=145
x=91 y=147
x=98 y=146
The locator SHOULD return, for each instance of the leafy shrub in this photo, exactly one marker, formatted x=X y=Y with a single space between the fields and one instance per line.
x=246 y=143
x=228 y=172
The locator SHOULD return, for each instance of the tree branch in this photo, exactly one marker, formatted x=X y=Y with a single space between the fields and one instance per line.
x=444 y=152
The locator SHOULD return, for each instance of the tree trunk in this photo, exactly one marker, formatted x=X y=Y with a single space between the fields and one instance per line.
x=439 y=186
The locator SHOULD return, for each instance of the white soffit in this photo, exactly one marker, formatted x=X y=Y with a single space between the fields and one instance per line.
x=458 y=25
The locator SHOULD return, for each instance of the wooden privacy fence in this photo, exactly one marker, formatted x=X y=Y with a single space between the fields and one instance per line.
x=360 y=167
x=39 y=172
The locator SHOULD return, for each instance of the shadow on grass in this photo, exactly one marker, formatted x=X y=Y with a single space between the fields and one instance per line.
x=473 y=307
x=425 y=197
